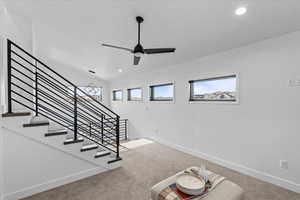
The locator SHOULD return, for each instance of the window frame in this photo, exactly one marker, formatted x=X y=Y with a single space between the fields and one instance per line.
x=80 y=87
x=114 y=96
x=191 y=99
x=161 y=100
x=129 y=96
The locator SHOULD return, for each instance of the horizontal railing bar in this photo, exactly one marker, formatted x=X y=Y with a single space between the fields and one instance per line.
x=61 y=77
x=28 y=54
x=51 y=112
x=56 y=101
x=22 y=81
x=64 y=92
x=51 y=83
x=52 y=92
x=98 y=135
x=22 y=73
x=69 y=108
x=23 y=66
x=58 y=118
x=22 y=59
x=23 y=89
x=63 y=98
x=54 y=107
x=86 y=106
x=99 y=103
x=87 y=132
x=93 y=128
x=57 y=82
x=59 y=115
x=94 y=106
x=42 y=114
x=41 y=105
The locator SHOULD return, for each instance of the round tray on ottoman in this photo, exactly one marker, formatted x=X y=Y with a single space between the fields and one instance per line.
x=190 y=184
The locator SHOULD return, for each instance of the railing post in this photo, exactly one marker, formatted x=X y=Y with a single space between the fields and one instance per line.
x=9 y=102
x=75 y=113
x=118 y=136
x=126 y=136
x=36 y=94
x=90 y=129
x=102 y=128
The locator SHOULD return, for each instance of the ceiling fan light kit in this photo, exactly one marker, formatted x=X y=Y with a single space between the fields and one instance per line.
x=138 y=50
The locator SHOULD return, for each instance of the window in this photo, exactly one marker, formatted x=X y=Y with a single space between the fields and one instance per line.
x=163 y=92
x=95 y=92
x=117 y=95
x=214 y=89
x=134 y=94
x=85 y=92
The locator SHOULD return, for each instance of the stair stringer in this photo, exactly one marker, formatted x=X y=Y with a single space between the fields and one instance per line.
x=37 y=134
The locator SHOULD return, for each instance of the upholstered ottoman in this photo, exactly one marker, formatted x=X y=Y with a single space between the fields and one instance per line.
x=226 y=190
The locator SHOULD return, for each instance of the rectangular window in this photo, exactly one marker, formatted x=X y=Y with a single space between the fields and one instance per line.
x=214 y=89
x=86 y=91
x=134 y=94
x=163 y=92
x=117 y=95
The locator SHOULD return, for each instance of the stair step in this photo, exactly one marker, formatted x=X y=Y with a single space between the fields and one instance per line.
x=72 y=141
x=54 y=133
x=100 y=154
x=36 y=124
x=17 y=114
x=115 y=160
x=89 y=147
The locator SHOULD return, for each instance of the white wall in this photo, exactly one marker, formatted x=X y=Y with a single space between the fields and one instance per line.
x=31 y=166
x=18 y=29
x=251 y=136
x=44 y=167
x=58 y=58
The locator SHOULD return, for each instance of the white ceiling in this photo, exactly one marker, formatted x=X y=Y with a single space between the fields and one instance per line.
x=71 y=31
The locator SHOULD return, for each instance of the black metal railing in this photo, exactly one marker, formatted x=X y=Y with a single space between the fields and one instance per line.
x=123 y=129
x=34 y=85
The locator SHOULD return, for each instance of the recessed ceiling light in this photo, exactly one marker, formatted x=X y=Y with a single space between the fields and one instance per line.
x=240 y=11
x=120 y=70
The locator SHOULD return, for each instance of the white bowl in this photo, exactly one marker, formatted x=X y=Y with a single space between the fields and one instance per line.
x=190 y=184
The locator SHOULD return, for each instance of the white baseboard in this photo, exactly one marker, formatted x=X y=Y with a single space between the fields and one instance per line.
x=51 y=184
x=289 y=185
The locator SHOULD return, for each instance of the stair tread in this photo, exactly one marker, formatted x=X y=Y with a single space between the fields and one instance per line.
x=36 y=124
x=72 y=141
x=16 y=114
x=54 y=133
x=89 y=147
x=102 y=153
x=114 y=160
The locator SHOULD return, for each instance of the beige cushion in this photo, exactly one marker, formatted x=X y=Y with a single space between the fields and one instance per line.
x=226 y=190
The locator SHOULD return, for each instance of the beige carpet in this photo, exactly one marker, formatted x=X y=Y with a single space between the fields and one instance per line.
x=136 y=143
x=146 y=165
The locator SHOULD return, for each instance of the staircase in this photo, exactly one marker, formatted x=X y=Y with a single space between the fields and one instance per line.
x=60 y=111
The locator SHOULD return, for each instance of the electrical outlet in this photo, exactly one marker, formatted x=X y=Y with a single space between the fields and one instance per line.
x=284 y=164
x=294 y=82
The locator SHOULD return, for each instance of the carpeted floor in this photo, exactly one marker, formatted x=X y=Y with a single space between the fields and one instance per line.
x=145 y=166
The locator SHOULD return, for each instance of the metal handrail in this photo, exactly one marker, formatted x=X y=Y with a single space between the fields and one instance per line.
x=96 y=122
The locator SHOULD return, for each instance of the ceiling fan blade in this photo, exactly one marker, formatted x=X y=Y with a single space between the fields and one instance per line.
x=136 y=60
x=116 y=47
x=159 y=50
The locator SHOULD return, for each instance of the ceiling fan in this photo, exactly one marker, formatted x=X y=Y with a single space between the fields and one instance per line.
x=138 y=50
